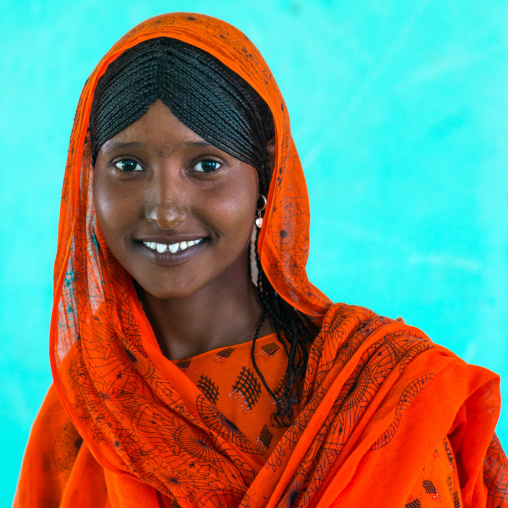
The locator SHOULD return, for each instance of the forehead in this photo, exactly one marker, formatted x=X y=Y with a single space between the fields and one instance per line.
x=158 y=126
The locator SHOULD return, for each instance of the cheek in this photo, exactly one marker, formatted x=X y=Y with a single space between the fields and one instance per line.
x=114 y=207
x=234 y=207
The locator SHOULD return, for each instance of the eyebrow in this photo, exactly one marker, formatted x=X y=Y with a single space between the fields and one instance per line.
x=197 y=144
x=111 y=145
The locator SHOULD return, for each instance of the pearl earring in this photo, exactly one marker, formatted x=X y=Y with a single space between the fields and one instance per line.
x=259 y=220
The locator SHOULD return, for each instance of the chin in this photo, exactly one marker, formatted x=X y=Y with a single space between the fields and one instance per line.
x=171 y=289
x=165 y=294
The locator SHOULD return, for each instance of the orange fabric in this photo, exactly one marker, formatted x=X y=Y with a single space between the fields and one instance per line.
x=131 y=429
x=228 y=378
x=438 y=484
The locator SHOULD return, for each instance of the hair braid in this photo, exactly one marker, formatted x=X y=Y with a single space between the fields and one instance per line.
x=295 y=332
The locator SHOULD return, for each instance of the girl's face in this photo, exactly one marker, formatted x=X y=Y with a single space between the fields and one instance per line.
x=175 y=211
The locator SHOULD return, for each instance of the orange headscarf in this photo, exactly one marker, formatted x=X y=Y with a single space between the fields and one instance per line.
x=124 y=427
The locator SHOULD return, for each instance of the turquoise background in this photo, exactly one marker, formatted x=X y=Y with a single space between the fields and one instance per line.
x=399 y=110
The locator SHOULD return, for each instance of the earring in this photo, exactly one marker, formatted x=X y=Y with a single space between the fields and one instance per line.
x=259 y=220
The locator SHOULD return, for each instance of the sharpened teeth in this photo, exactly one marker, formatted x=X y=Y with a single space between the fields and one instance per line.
x=173 y=247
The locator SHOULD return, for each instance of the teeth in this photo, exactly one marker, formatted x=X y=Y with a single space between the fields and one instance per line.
x=173 y=248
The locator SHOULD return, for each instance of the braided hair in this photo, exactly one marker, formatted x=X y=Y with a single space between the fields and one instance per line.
x=226 y=111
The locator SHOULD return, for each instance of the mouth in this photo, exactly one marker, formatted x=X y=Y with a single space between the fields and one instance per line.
x=171 y=254
x=173 y=248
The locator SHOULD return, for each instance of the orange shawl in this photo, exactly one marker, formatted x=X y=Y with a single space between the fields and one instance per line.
x=129 y=429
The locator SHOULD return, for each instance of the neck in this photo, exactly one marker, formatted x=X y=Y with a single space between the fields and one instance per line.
x=224 y=313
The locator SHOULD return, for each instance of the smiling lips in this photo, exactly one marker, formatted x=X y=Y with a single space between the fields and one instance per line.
x=173 y=247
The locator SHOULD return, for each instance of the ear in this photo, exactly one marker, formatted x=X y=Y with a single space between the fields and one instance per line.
x=270 y=146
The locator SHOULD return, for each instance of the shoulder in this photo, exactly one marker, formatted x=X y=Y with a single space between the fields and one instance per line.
x=349 y=331
x=52 y=430
x=50 y=454
x=390 y=356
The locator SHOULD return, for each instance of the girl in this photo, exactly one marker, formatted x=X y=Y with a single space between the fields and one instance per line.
x=194 y=364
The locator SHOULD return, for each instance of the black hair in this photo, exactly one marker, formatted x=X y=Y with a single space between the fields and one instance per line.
x=226 y=111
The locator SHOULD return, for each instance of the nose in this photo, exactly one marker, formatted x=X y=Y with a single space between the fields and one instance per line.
x=166 y=215
x=166 y=204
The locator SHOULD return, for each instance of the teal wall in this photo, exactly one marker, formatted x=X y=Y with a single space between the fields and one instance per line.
x=400 y=114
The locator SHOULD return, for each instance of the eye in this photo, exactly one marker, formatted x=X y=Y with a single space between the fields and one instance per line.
x=128 y=165
x=207 y=166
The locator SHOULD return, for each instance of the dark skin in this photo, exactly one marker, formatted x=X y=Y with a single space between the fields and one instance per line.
x=158 y=182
